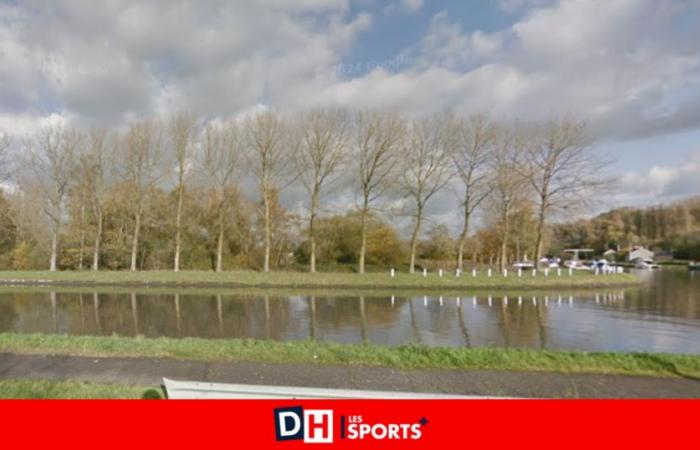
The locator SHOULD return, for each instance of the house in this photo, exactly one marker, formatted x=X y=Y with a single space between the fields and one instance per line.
x=639 y=254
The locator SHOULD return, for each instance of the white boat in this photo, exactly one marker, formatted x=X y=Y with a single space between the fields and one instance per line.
x=647 y=264
x=180 y=390
x=553 y=263
x=576 y=262
x=577 y=265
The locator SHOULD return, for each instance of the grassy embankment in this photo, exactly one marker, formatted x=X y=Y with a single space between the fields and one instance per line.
x=51 y=389
x=309 y=352
x=251 y=279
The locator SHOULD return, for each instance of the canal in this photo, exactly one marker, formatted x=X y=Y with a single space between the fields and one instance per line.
x=662 y=315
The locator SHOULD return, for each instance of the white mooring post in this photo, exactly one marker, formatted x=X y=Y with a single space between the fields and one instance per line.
x=571 y=271
x=440 y=273
x=546 y=272
x=534 y=272
x=458 y=273
x=392 y=272
x=490 y=272
x=425 y=272
x=393 y=300
x=505 y=273
x=425 y=300
x=505 y=301
x=473 y=273
x=440 y=300
x=559 y=272
x=520 y=273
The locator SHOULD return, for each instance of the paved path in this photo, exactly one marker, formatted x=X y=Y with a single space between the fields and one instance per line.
x=149 y=372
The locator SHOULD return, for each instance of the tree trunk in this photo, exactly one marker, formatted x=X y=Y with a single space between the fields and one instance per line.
x=81 y=252
x=135 y=241
x=312 y=242
x=178 y=225
x=220 y=243
x=98 y=242
x=54 y=249
x=503 y=260
x=540 y=233
x=312 y=232
x=363 y=235
x=462 y=241
x=268 y=230
x=414 y=240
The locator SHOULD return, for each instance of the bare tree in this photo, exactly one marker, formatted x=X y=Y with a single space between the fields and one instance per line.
x=182 y=128
x=142 y=158
x=507 y=182
x=321 y=152
x=96 y=167
x=377 y=139
x=270 y=160
x=221 y=151
x=425 y=155
x=50 y=160
x=475 y=138
x=563 y=170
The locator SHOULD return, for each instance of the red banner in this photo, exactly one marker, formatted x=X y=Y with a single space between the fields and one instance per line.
x=341 y=423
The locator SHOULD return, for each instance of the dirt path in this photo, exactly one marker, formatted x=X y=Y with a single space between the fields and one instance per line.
x=149 y=372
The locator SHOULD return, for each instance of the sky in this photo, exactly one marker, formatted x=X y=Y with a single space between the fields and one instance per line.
x=631 y=68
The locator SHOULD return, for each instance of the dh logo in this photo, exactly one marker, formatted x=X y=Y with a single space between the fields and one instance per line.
x=314 y=426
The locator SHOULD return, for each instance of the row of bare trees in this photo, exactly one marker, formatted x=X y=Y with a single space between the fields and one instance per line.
x=380 y=158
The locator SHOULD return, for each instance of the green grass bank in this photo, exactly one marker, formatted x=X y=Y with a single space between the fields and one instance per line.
x=336 y=280
x=311 y=352
x=51 y=389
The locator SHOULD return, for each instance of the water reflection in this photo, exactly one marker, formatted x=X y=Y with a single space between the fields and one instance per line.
x=662 y=316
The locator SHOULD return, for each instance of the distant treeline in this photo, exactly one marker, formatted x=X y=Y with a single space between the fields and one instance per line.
x=672 y=229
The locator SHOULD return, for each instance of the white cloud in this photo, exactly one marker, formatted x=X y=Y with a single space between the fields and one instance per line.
x=660 y=183
x=21 y=126
x=627 y=66
x=403 y=6
x=111 y=61
x=412 y=5
x=445 y=44
x=513 y=6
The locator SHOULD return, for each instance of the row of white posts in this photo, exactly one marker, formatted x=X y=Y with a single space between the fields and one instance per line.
x=606 y=298
x=598 y=271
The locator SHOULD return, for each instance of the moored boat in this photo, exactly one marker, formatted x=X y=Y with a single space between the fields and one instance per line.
x=647 y=264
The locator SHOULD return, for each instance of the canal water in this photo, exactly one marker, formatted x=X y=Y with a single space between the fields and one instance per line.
x=661 y=315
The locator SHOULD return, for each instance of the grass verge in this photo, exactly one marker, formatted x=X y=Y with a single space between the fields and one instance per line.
x=310 y=352
x=315 y=280
x=50 y=389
